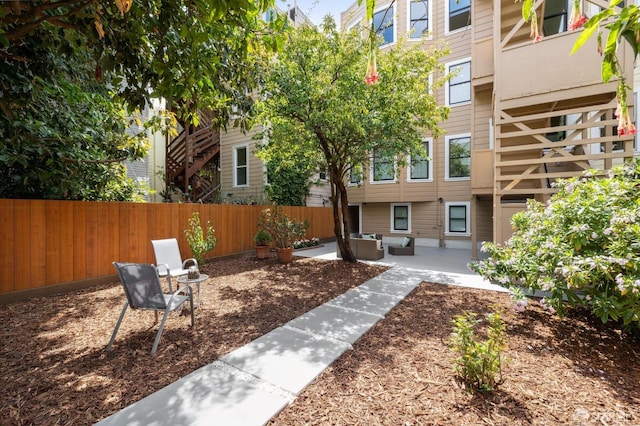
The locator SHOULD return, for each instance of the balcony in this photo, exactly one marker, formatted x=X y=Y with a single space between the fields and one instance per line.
x=544 y=67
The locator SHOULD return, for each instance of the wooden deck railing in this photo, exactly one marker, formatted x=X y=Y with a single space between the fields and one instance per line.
x=44 y=243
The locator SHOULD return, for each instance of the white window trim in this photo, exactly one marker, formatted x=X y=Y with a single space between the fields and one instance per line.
x=429 y=168
x=446 y=20
x=430 y=12
x=447 y=66
x=467 y=205
x=395 y=24
x=392 y=219
x=383 y=182
x=235 y=165
x=446 y=157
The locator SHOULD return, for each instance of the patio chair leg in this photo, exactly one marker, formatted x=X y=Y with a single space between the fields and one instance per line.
x=159 y=334
x=115 y=330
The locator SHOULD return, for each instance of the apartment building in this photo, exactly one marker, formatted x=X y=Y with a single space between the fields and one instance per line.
x=522 y=115
x=243 y=176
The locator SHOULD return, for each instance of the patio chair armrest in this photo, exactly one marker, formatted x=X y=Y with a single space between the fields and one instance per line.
x=192 y=260
x=163 y=268
x=182 y=290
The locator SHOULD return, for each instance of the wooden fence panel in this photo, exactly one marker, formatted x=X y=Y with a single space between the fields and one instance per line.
x=47 y=242
x=79 y=241
x=53 y=242
x=7 y=246
x=22 y=224
x=67 y=252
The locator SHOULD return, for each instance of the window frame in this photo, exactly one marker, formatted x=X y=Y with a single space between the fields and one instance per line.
x=564 y=21
x=447 y=20
x=447 y=214
x=429 y=178
x=372 y=173
x=394 y=24
x=447 y=158
x=351 y=173
x=448 y=85
x=429 y=22
x=244 y=146
x=392 y=227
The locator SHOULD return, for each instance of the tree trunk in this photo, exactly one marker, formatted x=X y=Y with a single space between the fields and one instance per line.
x=341 y=206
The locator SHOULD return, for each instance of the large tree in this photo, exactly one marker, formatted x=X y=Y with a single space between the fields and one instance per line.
x=68 y=68
x=316 y=102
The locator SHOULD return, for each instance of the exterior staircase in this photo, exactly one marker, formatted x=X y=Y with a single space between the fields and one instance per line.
x=188 y=153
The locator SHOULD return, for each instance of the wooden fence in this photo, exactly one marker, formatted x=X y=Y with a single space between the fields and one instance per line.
x=44 y=243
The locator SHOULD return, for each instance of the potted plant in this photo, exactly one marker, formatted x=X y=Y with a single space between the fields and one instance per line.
x=262 y=239
x=283 y=230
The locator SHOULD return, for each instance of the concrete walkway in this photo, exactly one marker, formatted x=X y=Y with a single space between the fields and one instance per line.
x=255 y=382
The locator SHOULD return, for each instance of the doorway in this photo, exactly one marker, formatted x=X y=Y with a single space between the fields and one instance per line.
x=354 y=219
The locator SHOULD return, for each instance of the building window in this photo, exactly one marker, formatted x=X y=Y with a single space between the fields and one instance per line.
x=459 y=14
x=555 y=17
x=322 y=175
x=420 y=167
x=383 y=22
x=458 y=157
x=458 y=90
x=382 y=168
x=401 y=218
x=458 y=221
x=355 y=175
x=419 y=18
x=240 y=166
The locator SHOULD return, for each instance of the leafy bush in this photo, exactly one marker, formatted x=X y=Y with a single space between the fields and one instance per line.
x=262 y=238
x=581 y=248
x=195 y=237
x=283 y=229
x=479 y=364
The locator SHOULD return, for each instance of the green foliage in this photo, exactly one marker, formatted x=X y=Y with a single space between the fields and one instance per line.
x=262 y=238
x=288 y=184
x=316 y=105
x=66 y=136
x=283 y=229
x=582 y=247
x=63 y=136
x=196 y=239
x=198 y=54
x=478 y=363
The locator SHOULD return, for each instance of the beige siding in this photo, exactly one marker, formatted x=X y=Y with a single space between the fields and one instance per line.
x=484 y=218
x=482 y=18
x=255 y=189
x=482 y=114
x=426 y=212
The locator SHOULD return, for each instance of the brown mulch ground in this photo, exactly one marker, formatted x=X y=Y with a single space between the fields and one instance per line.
x=54 y=369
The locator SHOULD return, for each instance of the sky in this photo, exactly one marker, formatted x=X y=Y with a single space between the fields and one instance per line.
x=317 y=9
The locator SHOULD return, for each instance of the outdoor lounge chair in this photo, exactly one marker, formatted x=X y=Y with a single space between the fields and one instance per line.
x=142 y=287
x=169 y=260
x=406 y=248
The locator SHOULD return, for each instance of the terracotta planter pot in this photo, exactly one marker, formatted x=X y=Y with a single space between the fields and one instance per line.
x=285 y=255
x=262 y=252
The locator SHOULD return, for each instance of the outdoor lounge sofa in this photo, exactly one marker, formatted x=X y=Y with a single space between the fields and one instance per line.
x=404 y=249
x=366 y=247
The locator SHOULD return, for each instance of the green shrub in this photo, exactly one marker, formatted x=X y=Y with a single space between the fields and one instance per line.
x=582 y=248
x=478 y=364
x=195 y=237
